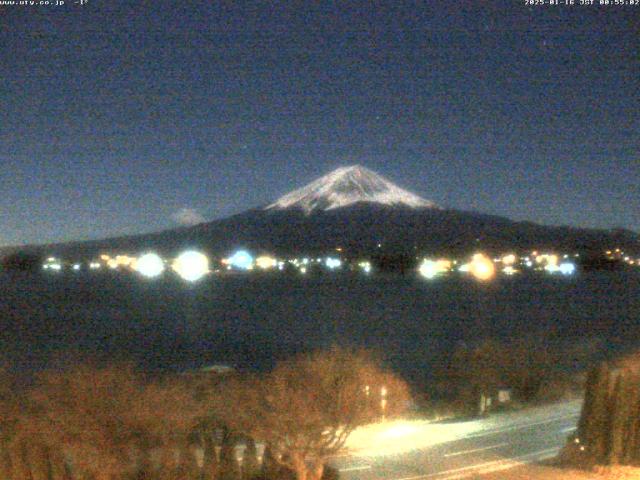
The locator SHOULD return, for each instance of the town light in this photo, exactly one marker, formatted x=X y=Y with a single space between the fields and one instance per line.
x=551 y=268
x=567 y=268
x=333 y=263
x=191 y=265
x=482 y=267
x=365 y=266
x=149 y=265
x=429 y=269
x=509 y=259
x=241 y=259
x=265 y=262
x=509 y=270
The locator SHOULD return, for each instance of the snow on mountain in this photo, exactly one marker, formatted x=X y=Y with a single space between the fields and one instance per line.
x=346 y=186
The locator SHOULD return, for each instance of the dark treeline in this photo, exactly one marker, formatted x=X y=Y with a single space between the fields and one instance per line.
x=113 y=423
x=21 y=261
x=533 y=370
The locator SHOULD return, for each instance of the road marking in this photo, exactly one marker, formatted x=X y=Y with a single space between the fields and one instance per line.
x=464 y=452
x=567 y=430
x=487 y=466
x=353 y=469
x=518 y=427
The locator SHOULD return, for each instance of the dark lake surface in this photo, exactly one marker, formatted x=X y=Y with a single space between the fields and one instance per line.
x=249 y=321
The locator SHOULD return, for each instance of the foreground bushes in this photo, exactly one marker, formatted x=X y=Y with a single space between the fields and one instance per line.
x=112 y=423
x=97 y=423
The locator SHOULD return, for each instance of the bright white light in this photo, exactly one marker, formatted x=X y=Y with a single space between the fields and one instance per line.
x=567 y=268
x=552 y=268
x=52 y=263
x=149 y=265
x=241 y=259
x=76 y=267
x=429 y=269
x=191 y=265
x=303 y=270
x=333 y=263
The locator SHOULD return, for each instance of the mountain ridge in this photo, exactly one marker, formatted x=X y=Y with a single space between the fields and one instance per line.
x=361 y=212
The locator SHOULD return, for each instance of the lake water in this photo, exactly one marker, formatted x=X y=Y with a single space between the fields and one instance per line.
x=249 y=321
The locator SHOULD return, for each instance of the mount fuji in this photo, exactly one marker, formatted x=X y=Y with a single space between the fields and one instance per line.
x=347 y=186
x=363 y=214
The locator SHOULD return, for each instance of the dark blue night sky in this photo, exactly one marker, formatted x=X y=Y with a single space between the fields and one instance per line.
x=116 y=116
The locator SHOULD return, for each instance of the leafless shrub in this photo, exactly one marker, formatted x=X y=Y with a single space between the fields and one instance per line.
x=306 y=407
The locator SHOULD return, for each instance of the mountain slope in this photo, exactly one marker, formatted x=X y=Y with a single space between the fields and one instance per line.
x=346 y=186
x=364 y=214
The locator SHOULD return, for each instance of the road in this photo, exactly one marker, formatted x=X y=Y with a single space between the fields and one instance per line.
x=421 y=450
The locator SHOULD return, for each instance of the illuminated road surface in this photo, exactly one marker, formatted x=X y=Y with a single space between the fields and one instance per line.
x=420 y=450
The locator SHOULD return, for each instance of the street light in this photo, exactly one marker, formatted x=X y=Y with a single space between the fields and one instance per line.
x=191 y=265
x=149 y=265
x=383 y=401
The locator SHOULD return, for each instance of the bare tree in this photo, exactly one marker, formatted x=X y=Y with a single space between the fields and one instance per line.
x=307 y=407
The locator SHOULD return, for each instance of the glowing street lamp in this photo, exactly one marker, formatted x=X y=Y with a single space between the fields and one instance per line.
x=265 y=262
x=241 y=259
x=509 y=259
x=567 y=268
x=383 y=401
x=191 y=265
x=149 y=265
x=429 y=269
x=333 y=263
x=482 y=267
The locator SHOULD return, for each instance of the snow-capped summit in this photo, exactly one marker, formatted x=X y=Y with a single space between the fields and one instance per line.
x=346 y=186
